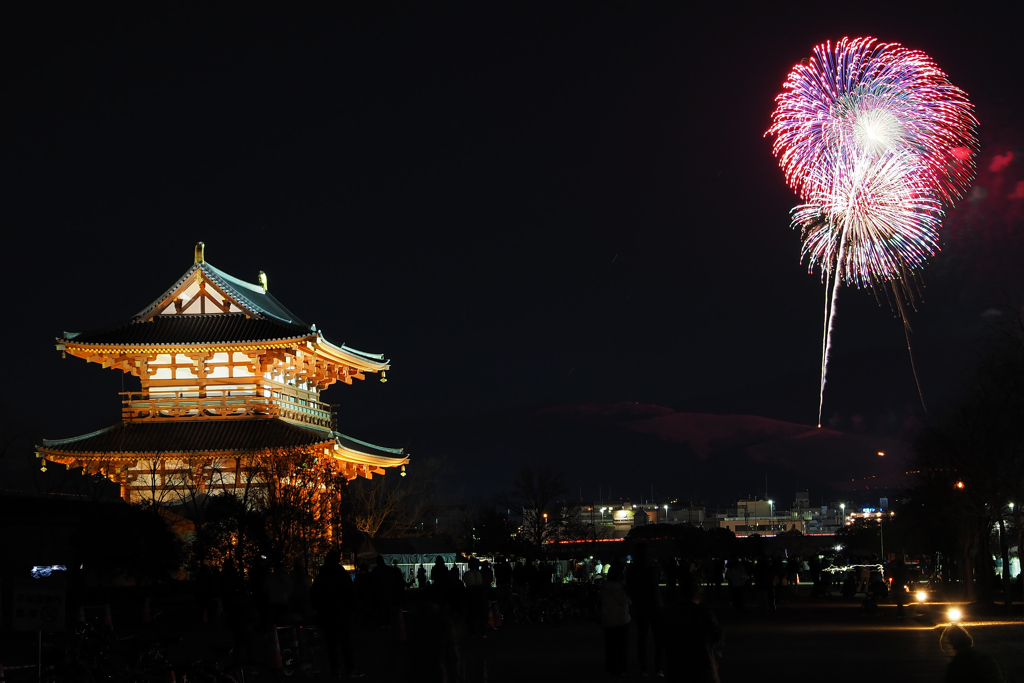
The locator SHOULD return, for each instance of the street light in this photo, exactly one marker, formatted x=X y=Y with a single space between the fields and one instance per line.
x=842 y=506
x=771 y=516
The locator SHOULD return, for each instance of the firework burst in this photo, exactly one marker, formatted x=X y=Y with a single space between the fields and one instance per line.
x=875 y=140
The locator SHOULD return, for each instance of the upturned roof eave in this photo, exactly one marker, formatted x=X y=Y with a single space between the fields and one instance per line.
x=366 y=361
x=343 y=447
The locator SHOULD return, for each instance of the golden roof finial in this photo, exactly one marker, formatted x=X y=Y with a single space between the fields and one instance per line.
x=199 y=252
x=263 y=280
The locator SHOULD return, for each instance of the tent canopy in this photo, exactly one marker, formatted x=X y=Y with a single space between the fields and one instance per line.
x=408 y=550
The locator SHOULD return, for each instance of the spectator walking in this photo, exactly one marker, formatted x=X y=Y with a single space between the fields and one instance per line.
x=900 y=579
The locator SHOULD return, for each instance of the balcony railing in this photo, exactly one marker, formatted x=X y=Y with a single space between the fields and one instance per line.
x=249 y=401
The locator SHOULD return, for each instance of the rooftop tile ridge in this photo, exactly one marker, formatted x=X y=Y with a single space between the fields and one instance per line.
x=61 y=442
x=396 y=451
x=348 y=349
x=246 y=291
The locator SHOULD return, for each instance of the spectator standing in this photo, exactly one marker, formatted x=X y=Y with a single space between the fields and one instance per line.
x=439 y=572
x=277 y=588
x=695 y=636
x=968 y=665
x=736 y=577
x=503 y=573
x=476 y=598
x=642 y=586
x=299 y=607
x=388 y=585
x=615 y=621
x=764 y=583
x=334 y=597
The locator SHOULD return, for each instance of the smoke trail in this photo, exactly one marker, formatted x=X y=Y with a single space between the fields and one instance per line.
x=824 y=338
x=831 y=321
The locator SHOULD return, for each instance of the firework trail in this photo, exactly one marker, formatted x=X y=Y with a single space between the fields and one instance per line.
x=874 y=139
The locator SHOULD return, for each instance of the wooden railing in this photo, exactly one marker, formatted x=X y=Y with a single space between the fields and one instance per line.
x=249 y=401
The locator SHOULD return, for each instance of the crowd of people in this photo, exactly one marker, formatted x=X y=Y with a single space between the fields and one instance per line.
x=646 y=605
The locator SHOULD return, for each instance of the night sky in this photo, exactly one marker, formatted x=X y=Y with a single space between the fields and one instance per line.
x=519 y=205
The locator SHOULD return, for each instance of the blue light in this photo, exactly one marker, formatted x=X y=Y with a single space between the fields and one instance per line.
x=40 y=572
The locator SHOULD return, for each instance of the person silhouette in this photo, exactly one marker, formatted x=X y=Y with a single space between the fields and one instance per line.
x=334 y=597
x=642 y=581
x=695 y=636
x=967 y=665
x=615 y=621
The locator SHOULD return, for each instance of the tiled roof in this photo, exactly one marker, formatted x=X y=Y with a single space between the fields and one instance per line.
x=267 y=320
x=191 y=436
x=210 y=328
x=204 y=436
x=251 y=296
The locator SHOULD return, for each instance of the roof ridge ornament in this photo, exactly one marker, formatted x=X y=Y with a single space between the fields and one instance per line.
x=263 y=280
x=200 y=258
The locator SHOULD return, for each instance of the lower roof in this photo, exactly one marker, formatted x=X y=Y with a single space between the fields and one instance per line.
x=235 y=435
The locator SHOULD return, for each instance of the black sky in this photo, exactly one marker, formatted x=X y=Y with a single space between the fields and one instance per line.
x=518 y=205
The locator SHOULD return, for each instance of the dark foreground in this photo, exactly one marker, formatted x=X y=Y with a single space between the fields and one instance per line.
x=802 y=640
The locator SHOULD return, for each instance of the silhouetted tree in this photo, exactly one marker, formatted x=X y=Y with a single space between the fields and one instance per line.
x=392 y=505
x=535 y=495
x=970 y=456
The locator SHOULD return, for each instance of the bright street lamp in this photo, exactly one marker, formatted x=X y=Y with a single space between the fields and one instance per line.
x=771 y=516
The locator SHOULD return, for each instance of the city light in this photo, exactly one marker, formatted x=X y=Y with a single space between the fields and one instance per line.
x=881 y=454
x=921 y=596
x=959 y=484
x=954 y=614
